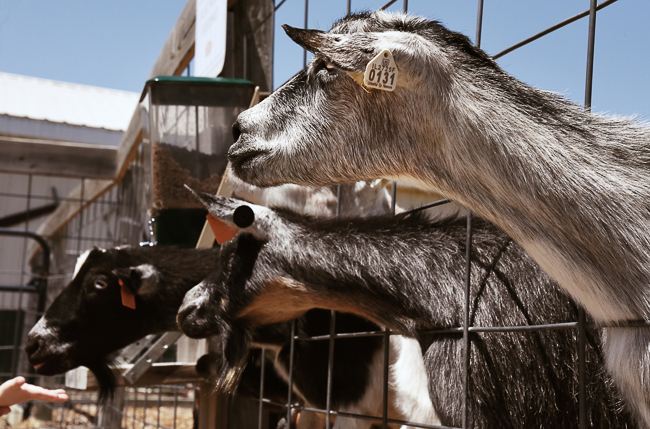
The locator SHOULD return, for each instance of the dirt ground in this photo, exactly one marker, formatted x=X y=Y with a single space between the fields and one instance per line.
x=72 y=420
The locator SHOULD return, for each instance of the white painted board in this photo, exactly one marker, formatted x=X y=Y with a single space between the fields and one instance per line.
x=210 y=37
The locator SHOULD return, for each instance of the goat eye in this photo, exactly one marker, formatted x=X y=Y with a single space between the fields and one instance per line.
x=101 y=284
x=323 y=65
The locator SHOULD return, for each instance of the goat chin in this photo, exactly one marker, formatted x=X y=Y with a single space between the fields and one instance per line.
x=105 y=378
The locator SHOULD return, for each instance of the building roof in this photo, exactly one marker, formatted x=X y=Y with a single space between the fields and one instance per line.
x=66 y=103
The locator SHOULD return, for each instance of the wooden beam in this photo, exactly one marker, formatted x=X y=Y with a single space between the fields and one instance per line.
x=176 y=54
x=178 y=44
x=174 y=57
x=48 y=158
x=158 y=373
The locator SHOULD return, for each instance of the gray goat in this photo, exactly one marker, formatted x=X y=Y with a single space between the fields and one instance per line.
x=570 y=186
x=407 y=273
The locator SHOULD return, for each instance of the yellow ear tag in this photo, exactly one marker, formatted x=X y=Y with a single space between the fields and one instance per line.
x=358 y=78
x=381 y=72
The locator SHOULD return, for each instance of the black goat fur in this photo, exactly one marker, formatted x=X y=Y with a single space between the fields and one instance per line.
x=407 y=273
x=88 y=326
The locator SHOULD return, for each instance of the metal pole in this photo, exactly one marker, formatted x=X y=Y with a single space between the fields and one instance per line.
x=468 y=274
x=261 y=405
x=479 y=23
x=384 y=422
x=245 y=55
x=19 y=311
x=144 y=408
x=159 y=405
x=582 y=394
x=304 y=51
x=590 y=55
x=338 y=201
x=466 y=344
x=290 y=382
x=330 y=370
x=271 y=87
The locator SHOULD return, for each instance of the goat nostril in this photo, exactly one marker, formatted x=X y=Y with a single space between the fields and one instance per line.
x=31 y=347
x=182 y=314
x=236 y=131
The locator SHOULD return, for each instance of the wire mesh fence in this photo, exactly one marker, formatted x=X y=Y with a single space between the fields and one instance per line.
x=119 y=217
x=579 y=325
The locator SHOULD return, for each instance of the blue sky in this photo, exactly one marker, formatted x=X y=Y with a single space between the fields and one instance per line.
x=114 y=43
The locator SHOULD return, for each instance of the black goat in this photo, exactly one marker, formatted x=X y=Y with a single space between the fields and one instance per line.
x=88 y=321
x=407 y=274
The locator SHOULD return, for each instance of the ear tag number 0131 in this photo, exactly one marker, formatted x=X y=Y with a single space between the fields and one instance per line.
x=381 y=72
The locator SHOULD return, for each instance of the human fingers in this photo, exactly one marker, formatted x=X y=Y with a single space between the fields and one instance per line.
x=4 y=410
x=13 y=383
x=42 y=394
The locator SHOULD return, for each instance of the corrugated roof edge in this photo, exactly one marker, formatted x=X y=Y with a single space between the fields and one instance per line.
x=63 y=123
x=67 y=84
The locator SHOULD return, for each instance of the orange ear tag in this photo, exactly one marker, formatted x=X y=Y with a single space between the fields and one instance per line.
x=221 y=230
x=128 y=299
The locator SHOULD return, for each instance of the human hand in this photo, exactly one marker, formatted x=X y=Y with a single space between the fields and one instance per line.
x=17 y=390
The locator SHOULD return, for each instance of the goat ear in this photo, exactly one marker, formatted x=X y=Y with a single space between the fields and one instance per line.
x=144 y=279
x=140 y=280
x=311 y=40
x=347 y=52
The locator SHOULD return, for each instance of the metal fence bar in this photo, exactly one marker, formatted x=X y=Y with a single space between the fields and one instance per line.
x=261 y=405
x=466 y=343
x=330 y=370
x=590 y=55
x=135 y=405
x=304 y=51
x=292 y=342
x=551 y=29
x=159 y=405
x=582 y=394
x=81 y=214
x=479 y=24
x=144 y=407
x=175 y=407
x=373 y=418
x=387 y=5
x=17 y=327
x=427 y=206
x=384 y=410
